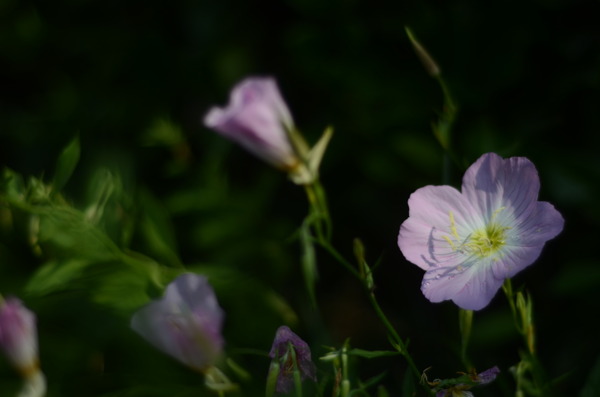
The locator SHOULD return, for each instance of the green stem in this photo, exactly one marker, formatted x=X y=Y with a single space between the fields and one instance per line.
x=400 y=345
x=336 y=255
x=323 y=229
x=465 y=321
x=319 y=210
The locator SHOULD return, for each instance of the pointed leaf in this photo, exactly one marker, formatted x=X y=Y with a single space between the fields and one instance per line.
x=66 y=163
x=316 y=153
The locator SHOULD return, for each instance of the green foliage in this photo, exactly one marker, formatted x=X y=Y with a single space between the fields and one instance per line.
x=66 y=163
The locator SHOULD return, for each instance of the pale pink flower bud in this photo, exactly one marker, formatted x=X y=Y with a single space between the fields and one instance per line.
x=258 y=119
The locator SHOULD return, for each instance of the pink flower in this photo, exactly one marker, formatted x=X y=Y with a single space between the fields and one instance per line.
x=470 y=241
x=258 y=119
x=186 y=323
x=18 y=336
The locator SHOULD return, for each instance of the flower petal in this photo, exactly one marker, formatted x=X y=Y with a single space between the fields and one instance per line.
x=286 y=339
x=493 y=183
x=544 y=223
x=471 y=286
x=433 y=212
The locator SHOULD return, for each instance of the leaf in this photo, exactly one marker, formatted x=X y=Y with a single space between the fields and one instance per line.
x=157 y=231
x=316 y=153
x=408 y=385
x=372 y=354
x=66 y=163
x=67 y=233
x=55 y=275
x=309 y=261
x=126 y=286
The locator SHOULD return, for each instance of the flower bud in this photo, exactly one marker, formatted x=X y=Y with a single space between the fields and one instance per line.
x=258 y=119
x=292 y=355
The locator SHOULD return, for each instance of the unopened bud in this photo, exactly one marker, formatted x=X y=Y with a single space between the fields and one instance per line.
x=430 y=65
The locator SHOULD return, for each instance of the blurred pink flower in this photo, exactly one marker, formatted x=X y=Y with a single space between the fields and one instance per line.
x=258 y=119
x=18 y=336
x=185 y=323
x=470 y=241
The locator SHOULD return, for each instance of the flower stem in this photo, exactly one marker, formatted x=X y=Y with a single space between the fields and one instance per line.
x=529 y=374
x=321 y=222
x=319 y=211
x=465 y=321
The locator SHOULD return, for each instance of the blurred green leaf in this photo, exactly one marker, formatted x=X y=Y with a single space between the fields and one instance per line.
x=591 y=388
x=127 y=286
x=408 y=384
x=66 y=163
x=55 y=275
x=65 y=232
x=157 y=231
x=372 y=353
x=309 y=261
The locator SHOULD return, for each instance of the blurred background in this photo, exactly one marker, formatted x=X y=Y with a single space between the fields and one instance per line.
x=133 y=80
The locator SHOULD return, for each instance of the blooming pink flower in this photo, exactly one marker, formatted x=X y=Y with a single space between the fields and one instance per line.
x=18 y=335
x=258 y=119
x=284 y=341
x=185 y=323
x=470 y=241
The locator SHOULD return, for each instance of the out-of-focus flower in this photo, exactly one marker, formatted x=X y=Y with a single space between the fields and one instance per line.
x=291 y=354
x=459 y=387
x=487 y=376
x=470 y=241
x=18 y=335
x=185 y=323
x=18 y=341
x=258 y=118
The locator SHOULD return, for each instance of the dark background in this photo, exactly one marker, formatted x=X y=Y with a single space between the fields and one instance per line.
x=526 y=77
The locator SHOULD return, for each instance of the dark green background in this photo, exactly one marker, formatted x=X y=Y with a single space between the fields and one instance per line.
x=526 y=76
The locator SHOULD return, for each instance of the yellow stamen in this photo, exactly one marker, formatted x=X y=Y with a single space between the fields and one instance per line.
x=453 y=224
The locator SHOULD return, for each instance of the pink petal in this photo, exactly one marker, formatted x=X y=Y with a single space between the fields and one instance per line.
x=420 y=238
x=492 y=183
x=543 y=224
x=471 y=288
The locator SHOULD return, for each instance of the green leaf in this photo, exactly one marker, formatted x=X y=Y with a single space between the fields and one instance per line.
x=309 y=261
x=372 y=354
x=66 y=163
x=55 y=275
x=126 y=286
x=408 y=385
x=157 y=231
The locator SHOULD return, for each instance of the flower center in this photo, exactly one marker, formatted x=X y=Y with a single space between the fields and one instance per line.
x=483 y=242
x=487 y=241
